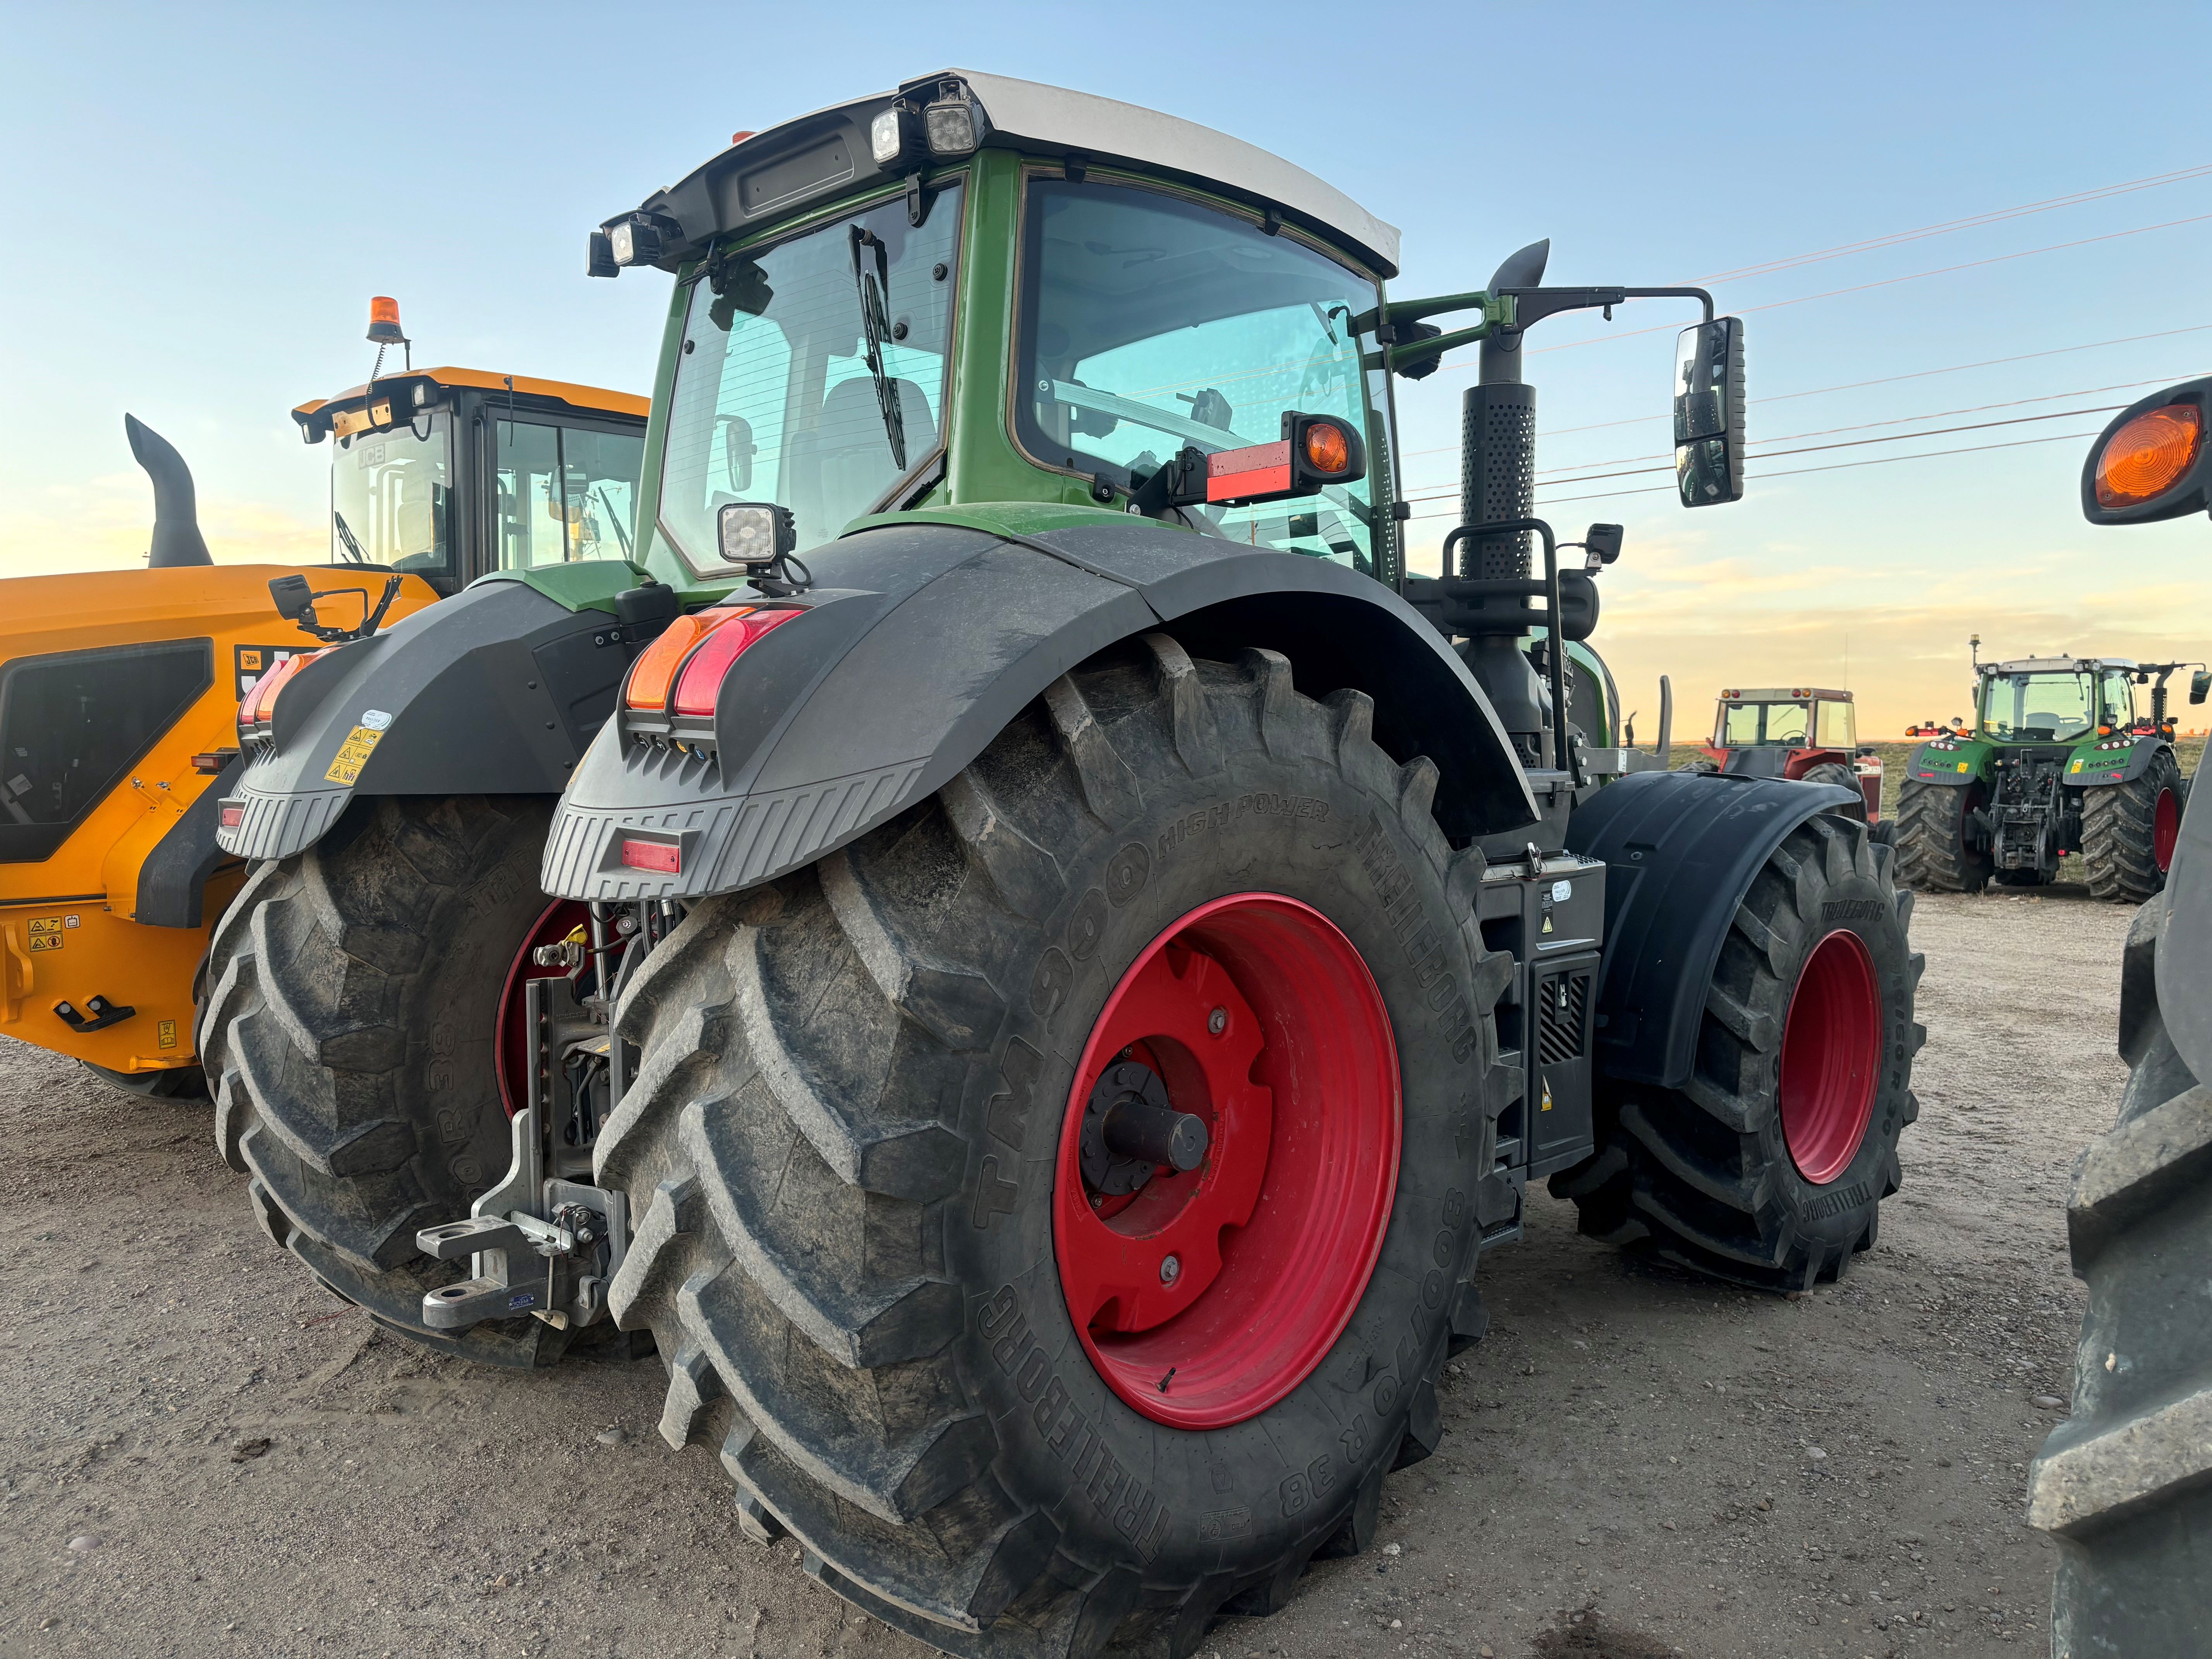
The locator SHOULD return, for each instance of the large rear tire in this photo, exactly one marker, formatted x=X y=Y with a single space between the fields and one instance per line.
x=859 y=1146
x=1769 y=1166
x=2124 y=1485
x=354 y=992
x=1934 y=854
x=2128 y=830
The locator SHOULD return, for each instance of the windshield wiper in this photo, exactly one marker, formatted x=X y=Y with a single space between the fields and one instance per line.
x=614 y=519
x=345 y=535
x=876 y=323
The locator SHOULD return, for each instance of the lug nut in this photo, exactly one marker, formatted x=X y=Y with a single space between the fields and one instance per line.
x=1218 y=1021
x=1170 y=1270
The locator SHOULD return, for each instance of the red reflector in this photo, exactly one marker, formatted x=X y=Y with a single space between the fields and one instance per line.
x=652 y=855
x=232 y=814
x=701 y=681
x=1260 y=469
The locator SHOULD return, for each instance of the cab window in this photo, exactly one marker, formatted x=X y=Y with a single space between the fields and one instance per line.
x=1786 y=722
x=391 y=497
x=2120 y=699
x=1740 y=725
x=565 y=493
x=1150 y=323
x=1837 y=730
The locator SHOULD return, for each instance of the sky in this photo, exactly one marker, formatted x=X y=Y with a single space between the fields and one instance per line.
x=200 y=202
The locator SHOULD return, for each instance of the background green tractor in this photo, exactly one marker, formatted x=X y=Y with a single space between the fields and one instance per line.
x=2061 y=759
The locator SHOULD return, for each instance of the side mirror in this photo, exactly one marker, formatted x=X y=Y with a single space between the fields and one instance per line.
x=2152 y=462
x=2200 y=685
x=1709 y=400
x=1602 y=543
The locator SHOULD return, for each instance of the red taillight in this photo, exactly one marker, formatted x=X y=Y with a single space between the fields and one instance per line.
x=254 y=714
x=232 y=814
x=702 y=673
x=661 y=856
x=656 y=664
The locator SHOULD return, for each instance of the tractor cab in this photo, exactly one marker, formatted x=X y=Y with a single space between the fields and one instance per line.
x=451 y=474
x=2038 y=700
x=1794 y=732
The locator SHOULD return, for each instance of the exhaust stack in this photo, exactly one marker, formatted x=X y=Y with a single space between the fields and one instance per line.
x=177 y=539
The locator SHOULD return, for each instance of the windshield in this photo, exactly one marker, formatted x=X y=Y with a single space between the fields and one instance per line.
x=776 y=397
x=392 y=496
x=1748 y=725
x=2050 y=708
x=1150 y=323
x=565 y=493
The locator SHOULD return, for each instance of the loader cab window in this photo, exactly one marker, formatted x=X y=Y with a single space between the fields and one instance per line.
x=73 y=724
x=776 y=397
x=1151 y=322
x=391 y=497
x=566 y=493
x=2038 y=707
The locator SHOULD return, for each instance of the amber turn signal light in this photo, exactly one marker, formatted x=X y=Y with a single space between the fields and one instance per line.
x=655 y=669
x=1326 y=449
x=2148 y=455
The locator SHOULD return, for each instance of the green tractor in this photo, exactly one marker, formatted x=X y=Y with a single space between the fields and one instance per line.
x=1078 y=952
x=2061 y=759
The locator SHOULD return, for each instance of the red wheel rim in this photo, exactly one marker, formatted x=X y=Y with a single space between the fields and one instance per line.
x=561 y=918
x=1830 y=1057
x=1275 y=1234
x=2165 y=830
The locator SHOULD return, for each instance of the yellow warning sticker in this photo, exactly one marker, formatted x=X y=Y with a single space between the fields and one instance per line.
x=46 y=941
x=45 y=925
x=2076 y=767
x=165 y=1033
x=1546 y=1106
x=351 y=756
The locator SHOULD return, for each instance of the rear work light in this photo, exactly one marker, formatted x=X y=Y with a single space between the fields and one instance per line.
x=694 y=655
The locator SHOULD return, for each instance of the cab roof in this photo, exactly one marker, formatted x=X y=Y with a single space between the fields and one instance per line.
x=596 y=398
x=1799 y=694
x=2058 y=664
x=770 y=173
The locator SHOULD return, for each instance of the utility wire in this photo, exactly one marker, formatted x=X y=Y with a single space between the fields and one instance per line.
x=1857 y=386
x=1998 y=216
x=1795 y=471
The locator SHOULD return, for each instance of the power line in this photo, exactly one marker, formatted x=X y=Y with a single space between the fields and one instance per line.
x=1795 y=471
x=1859 y=386
x=1860 y=287
x=1998 y=216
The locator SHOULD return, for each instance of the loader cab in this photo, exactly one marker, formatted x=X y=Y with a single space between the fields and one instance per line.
x=451 y=474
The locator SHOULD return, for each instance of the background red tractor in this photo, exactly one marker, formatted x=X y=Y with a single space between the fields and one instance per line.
x=1807 y=734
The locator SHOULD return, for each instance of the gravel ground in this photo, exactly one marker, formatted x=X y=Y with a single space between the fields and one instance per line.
x=203 y=1454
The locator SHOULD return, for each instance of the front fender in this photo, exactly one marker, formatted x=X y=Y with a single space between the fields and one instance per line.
x=929 y=633
x=497 y=690
x=1680 y=849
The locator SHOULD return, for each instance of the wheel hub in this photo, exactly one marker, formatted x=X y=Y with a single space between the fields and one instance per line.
x=1830 y=1057
x=1227 y=1161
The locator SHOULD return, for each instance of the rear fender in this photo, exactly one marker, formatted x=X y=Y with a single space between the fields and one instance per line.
x=1680 y=850
x=929 y=633
x=2089 y=770
x=1946 y=760
x=497 y=691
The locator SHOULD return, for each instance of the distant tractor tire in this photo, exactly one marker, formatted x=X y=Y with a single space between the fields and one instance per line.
x=178 y=1083
x=353 y=994
x=1769 y=1166
x=1934 y=853
x=1843 y=777
x=2129 y=831
x=947 y=1324
x=2124 y=1485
